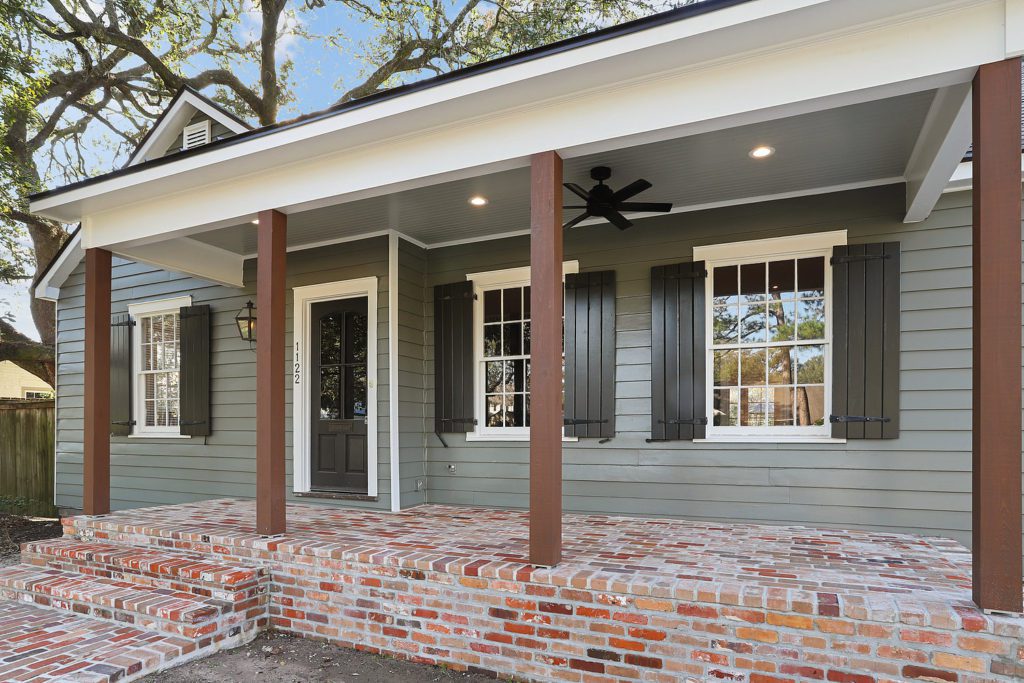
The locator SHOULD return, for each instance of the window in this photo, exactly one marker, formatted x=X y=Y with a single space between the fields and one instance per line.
x=769 y=337
x=38 y=394
x=156 y=338
x=501 y=323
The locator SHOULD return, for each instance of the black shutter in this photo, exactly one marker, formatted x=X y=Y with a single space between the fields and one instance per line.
x=194 y=384
x=121 y=375
x=453 y=358
x=590 y=354
x=866 y=341
x=678 y=400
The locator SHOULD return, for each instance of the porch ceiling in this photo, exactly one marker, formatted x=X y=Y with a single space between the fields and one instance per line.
x=856 y=145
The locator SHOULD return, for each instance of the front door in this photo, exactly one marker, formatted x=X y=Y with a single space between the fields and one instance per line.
x=339 y=430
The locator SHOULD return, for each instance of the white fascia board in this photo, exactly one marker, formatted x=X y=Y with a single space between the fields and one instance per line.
x=963 y=176
x=941 y=144
x=1014 y=28
x=173 y=121
x=48 y=287
x=386 y=153
x=191 y=257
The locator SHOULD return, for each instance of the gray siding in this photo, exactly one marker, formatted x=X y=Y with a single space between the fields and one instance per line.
x=412 y=262
x=919 y=482
x=146 y=471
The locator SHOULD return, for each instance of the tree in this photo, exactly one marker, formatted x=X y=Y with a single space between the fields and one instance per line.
x=82 y=80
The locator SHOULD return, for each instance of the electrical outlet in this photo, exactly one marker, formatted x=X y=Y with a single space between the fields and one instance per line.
x=451 y=468
x=419 y=484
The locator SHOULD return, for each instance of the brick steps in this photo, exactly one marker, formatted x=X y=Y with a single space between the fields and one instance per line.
x=150 y=566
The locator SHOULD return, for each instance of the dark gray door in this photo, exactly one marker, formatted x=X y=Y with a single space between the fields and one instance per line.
x=339 y=417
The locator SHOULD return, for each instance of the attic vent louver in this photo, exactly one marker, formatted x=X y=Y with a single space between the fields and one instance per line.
x=195 y=135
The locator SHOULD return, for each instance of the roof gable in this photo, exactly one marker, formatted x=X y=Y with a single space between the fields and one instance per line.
x=186 y=108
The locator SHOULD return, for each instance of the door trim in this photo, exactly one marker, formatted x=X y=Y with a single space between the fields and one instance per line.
x=305 y=297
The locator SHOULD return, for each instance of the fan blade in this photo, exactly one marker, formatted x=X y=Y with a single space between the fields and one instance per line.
x=579 y=191
x=618 y=220
x=658 y=207
x=575 y=221
x=635 y=187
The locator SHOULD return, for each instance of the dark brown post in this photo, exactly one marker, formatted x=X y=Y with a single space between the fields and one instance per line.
x=270 y=370
x=996 y=424
x=546 y=359
x=96 y=460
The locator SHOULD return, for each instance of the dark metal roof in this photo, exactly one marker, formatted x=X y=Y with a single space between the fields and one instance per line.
x=670 y=16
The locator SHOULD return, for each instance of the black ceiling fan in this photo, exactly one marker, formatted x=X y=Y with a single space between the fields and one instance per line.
x=605 y=203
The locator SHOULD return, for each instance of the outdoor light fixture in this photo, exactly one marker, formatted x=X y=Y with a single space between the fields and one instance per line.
x=246 y=321
x=478 y=200
x=762 y=152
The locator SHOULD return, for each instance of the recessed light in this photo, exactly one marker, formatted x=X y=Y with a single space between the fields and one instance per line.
x=478 y=201
x=255 y=221
x=762 y=152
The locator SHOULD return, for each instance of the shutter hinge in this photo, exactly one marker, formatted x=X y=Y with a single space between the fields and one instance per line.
x=568 y=422
x=851 y=258
x=692 y=421
x=124 y=423
x=857 y=418
x=124 y=323
x=692 y=275
x=192 y=315
x=192 y=423
x=459 y=420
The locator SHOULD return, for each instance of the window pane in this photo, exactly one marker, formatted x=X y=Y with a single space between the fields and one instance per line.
x=513 y=304
x=810 y=364
x=726 y=407
x=492 y=306
x=495 y=409
x=812 y=319
x=753 y=324
x=355 y=342
x=516 y=415
x=780 y=365
x=726 y=284
x=755 y=407
x=810 y=405
x=517 y=375
x=357 y=397
x=330 y=393
x=492 y=340
x=725 y=324
x=526 y=303
x=781 y=279
x=811 y=276
x=526 y=338
x=331 y=338
x=494 y=376
x=752 y=366
x=727 y=368
x=780 y=410
x=752 y=281
x=512 y=341
x=781 y=320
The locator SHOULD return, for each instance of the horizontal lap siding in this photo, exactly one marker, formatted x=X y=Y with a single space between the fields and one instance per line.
x=412 y=263
x=918 y=482
x=159 y=471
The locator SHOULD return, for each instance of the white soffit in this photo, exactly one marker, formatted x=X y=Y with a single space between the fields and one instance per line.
x=761 y=59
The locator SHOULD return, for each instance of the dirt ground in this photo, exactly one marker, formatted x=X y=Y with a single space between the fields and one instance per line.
x=286 y=659
x=15 y=530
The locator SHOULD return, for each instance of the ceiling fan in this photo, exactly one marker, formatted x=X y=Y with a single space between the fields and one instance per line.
x=605 y=203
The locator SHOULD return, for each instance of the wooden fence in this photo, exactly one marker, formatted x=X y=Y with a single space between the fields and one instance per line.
x=26 y=457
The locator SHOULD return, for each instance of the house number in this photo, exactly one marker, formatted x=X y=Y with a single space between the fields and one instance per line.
x=298 y=365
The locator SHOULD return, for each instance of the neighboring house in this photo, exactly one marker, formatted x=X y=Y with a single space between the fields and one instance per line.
x=16 y=382
x=791 y=343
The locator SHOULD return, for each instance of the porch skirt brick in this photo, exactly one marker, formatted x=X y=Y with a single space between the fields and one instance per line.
x=371 y=588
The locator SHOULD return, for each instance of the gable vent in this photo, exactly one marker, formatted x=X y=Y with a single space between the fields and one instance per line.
x=195 y=135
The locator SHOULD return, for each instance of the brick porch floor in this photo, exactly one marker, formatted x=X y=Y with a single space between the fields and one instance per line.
x=634 y=599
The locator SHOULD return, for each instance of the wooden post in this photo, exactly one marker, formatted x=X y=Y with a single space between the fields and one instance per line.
x=270 y=371
x=996 y=422
x=546 y=292
x=96 y=429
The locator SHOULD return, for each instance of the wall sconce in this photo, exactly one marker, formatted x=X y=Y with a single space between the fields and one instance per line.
x=246 y=321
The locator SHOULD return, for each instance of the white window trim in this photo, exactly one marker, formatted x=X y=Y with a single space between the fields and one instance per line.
x=797 y=246
x=137 y=310
x=509 y=277
x=304 y=298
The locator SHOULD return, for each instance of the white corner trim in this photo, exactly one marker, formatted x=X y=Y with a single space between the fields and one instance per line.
x=303 y=298
x=941 y=144
x=394 y=445
x=771 y=246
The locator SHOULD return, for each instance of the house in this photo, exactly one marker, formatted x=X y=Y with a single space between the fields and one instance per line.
x=16 y=382
x=360 y=312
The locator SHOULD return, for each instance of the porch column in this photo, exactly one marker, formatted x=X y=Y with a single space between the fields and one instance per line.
x=96 y=429
x=270 y=371
x=546 y=359
x=996 y=422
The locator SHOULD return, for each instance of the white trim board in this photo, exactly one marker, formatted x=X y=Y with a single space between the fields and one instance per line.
x=173 y=121
x=304 y=298
x=394 y=444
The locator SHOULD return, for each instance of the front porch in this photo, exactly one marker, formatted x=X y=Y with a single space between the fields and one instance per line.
x=633 y=598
